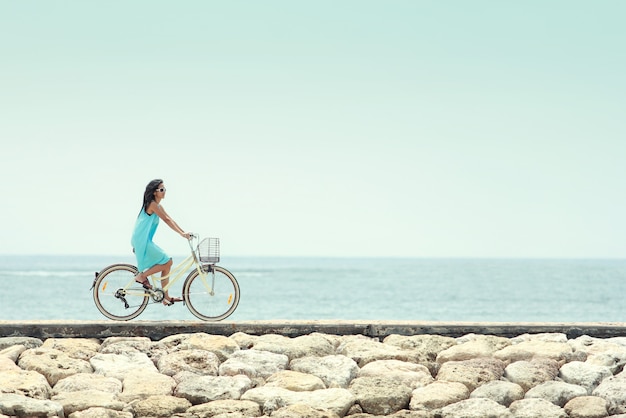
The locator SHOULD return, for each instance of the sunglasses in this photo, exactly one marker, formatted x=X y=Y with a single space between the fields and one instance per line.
x=162 y=190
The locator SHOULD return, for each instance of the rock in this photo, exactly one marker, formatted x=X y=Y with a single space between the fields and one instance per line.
x=552 y=337
x=221 y=346
x=529 y=374
x=305 y=345
x=226 y=408
x=142 y=385
x=411 y=374
x=97 y=412
x=12 y=404
x=613 y=390
x=586 y=375
x=13 y=352
x=82 y=400
x=380 y=395
x=79 y=348
x=25 y=383
x=437 y=395
x=243 y=340
x=427 y=347
x=202 y=389
x=475 y=408
x=601 y=352
x=123 y=345
x=119 y=365
x=295 y=381
x=586 y=407
x=559 y=393
x=364 y=351
x=200 y=362
x=528 y=350
x=335 y=371
x=335 y=400
x=87 y=381
x=160 y=406
x=53 y=364
x=536 y=408
x=472 y=373
x=474 y=346
x=302 y=411
x=254 y=364
x=28 y=342
x=6 y=365
x=499 y=391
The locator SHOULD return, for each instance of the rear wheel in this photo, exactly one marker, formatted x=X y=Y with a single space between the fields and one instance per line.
x=117 y=295
x=212 y=296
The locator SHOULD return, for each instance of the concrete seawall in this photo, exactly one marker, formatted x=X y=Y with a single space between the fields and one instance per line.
x=156 y=330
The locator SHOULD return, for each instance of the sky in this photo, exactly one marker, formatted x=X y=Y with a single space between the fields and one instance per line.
x=348 y=128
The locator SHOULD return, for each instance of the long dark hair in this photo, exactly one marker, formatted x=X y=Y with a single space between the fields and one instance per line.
x=148 y=195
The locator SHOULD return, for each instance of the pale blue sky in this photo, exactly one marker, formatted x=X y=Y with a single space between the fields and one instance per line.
x=334 y=128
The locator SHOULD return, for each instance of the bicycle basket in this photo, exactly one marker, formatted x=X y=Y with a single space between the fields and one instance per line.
x=209 y=250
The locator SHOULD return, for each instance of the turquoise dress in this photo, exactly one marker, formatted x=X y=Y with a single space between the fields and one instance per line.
x=147 y=252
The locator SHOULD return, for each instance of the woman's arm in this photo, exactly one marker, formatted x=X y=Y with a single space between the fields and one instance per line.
x=158 y=209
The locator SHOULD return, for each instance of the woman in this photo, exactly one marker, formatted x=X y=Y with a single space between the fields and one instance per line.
x=150 y=258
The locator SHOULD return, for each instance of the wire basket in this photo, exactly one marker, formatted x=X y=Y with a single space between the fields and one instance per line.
x=209 y=250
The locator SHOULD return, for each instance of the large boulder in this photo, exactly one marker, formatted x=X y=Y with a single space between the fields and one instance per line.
x=472 y=373
x=475 y=408
x=160 y=405
x=529 y=374
x=200 y=362
x=586 y=407
x=380 y=395
x=28 y=342
x=226 y=408
x=202 y=389
x=536 y=408
x=528 y=350
x=141 y=385
x=25 y=383
x=53 y=364
x=335 y=371
x=82 y=400
x=295 y=381
x=79 y=348
x=365 y=350
x=254 y=363
x=119 y=365
x=613 y=390
x=15 y=405
x=499 y=391
x=585 y=374
x=559 y=393
x=437 y=395
x=306 y=345
x=221 y=346
x=473 y=346
x=335 y=400
x=410 y=374
x=87 y=381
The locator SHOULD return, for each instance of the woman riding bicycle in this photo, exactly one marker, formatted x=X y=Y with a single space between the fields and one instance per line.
x=151 y=259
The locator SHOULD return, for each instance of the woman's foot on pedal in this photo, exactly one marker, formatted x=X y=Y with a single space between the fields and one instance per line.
x=169 y=301
x=143 y=281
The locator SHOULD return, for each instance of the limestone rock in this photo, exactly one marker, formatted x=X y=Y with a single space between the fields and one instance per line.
x=123 y=345
x=142 y=385
x=475 y=408
x=28 y=342
x=221 y=346
x=160 y=406
x=119 y=365
x=243 y=340
x=528 y=350
x=295 y=381
x=6 y=365
x=364 y=351
x=226 y=408
x=380 y=395
x=586 y=407
x=552 y=337
x=427 y=347
x=12 y=352
x=613 y=390
x=202 y=389
x=254 y=364
x=586 y=375
x=303 y=411
x=12 y=404
x=335 y=400
x=82 y=400
x=97 y=412
x=472 y=373
x=411 y=374
x=473 y=346
x=536 y=408
x=559 y=393
x=87 y=381
x=26 y=383
x=601 y=352
x=437 y=395
x=200 y=362
x=79 y=348
x=529 y=374
x=53 y=364
x=335 y=371
x=305 y=345
x=499 y=391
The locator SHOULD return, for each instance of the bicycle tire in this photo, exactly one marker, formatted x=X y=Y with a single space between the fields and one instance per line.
x=211 y=302
x=110 y=297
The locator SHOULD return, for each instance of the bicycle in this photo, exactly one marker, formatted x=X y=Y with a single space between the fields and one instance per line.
x=210 y=292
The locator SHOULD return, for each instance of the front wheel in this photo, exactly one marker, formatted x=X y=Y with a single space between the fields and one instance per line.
x=117 y=295
x=213 y=295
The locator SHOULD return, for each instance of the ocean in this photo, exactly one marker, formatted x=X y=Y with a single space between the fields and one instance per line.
x=275 y=288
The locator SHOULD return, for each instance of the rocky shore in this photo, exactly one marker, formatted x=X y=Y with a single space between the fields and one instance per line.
x=314 y=375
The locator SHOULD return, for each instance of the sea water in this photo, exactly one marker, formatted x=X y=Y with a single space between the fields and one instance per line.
x=494 y=290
